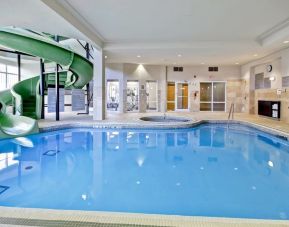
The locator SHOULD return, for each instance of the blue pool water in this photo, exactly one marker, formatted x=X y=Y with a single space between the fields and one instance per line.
x=209 y=170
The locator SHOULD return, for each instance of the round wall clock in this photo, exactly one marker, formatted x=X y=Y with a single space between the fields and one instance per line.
x=269 y=68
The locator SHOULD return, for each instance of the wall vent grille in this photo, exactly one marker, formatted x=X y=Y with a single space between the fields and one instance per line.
x=178 y=69
x=213 y=69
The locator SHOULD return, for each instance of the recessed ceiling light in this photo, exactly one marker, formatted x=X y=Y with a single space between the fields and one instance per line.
x=202 y=63
x=138 y=56
x=179 y=55
x=237 y=63
x=105 y=57
x=174 y=63
x=286 y=41
x=255 y=55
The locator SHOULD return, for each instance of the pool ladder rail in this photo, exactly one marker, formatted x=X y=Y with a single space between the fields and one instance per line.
x=231 y=112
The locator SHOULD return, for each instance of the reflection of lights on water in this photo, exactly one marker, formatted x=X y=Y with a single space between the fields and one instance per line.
x=174 y=166
x=202 y=168
x=116 y=147
x=147 y=136
x=7 y=159
x=84 y=197
x=236 y=168
x=115 y=133
x=138 y=182
x=270 y=163
x=140 y=161
x=254 y=188
x=178 y=184
x=24 y=142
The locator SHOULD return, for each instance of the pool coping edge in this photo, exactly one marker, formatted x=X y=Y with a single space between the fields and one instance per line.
x=100 y=217
x=180 y=125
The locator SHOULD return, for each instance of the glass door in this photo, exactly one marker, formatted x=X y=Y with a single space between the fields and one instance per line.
x=182 y=96
x=219 y=96
x=152 y=95
x=206 y=96
x=212 y=96
x=132 y=96
x=112 y=95
x=171 y=96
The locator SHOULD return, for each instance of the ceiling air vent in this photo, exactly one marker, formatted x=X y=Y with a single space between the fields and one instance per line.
x=213 y=69
x=178 y=69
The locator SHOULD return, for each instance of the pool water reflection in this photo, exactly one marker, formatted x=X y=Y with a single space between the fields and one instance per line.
x=210 y=170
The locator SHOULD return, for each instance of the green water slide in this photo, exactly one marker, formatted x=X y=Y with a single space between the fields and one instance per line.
x=25 y=95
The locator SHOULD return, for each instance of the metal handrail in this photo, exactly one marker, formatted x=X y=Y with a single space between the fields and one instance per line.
x=231 y=112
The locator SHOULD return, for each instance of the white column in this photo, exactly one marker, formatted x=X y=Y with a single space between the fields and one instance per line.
x=121 y=95
x=98 y=85
x=163 y=90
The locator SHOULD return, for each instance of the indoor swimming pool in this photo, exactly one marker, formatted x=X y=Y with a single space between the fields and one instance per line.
x=210 y=170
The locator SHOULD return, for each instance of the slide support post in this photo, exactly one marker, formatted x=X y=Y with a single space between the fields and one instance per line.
x=42 y=84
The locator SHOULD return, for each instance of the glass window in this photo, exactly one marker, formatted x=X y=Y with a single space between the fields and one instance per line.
x=11 y=80
x=112 y=95
x=206 y=92
x=218 y=106
x=212 y=96
x=132 y=96
x=12 y=69
x=219 y=92
x=267 y=83
x=8 y=76
x=152 y=95
x=2 y=68
x=2 y=81
x=285 y=81
x=205 y=106
x=262 y=82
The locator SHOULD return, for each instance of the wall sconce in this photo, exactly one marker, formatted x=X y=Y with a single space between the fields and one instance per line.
x=272 y=78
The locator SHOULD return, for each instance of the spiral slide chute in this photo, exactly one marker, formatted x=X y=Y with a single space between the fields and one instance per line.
x=26 y=96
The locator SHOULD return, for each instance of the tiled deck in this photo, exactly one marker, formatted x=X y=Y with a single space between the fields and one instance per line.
x=40 y=217
x=132 y=120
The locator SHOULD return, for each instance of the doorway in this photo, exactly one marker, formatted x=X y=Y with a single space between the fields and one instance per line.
x=152 y=95
x=112 y=95
x=182 y=96
x=177 y=96
x=132 y=96
x=171 y=96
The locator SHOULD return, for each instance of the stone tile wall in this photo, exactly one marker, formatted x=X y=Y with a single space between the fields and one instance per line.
x=236 y=93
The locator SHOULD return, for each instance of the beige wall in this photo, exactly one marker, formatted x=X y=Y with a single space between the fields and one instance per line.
x=193 y=75
x=236 y=94
x=280 y=63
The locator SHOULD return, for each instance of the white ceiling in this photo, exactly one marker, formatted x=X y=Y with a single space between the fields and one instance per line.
x=35 y=15
x=181 y=20
x=219 y=32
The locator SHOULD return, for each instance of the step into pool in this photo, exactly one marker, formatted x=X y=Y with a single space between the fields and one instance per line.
x=211 y=170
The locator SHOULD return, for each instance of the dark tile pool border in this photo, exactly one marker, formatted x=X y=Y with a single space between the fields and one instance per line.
x=3 y=189
x=47 y=153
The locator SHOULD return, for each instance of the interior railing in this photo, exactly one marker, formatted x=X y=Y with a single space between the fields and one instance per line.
x=231 y=112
